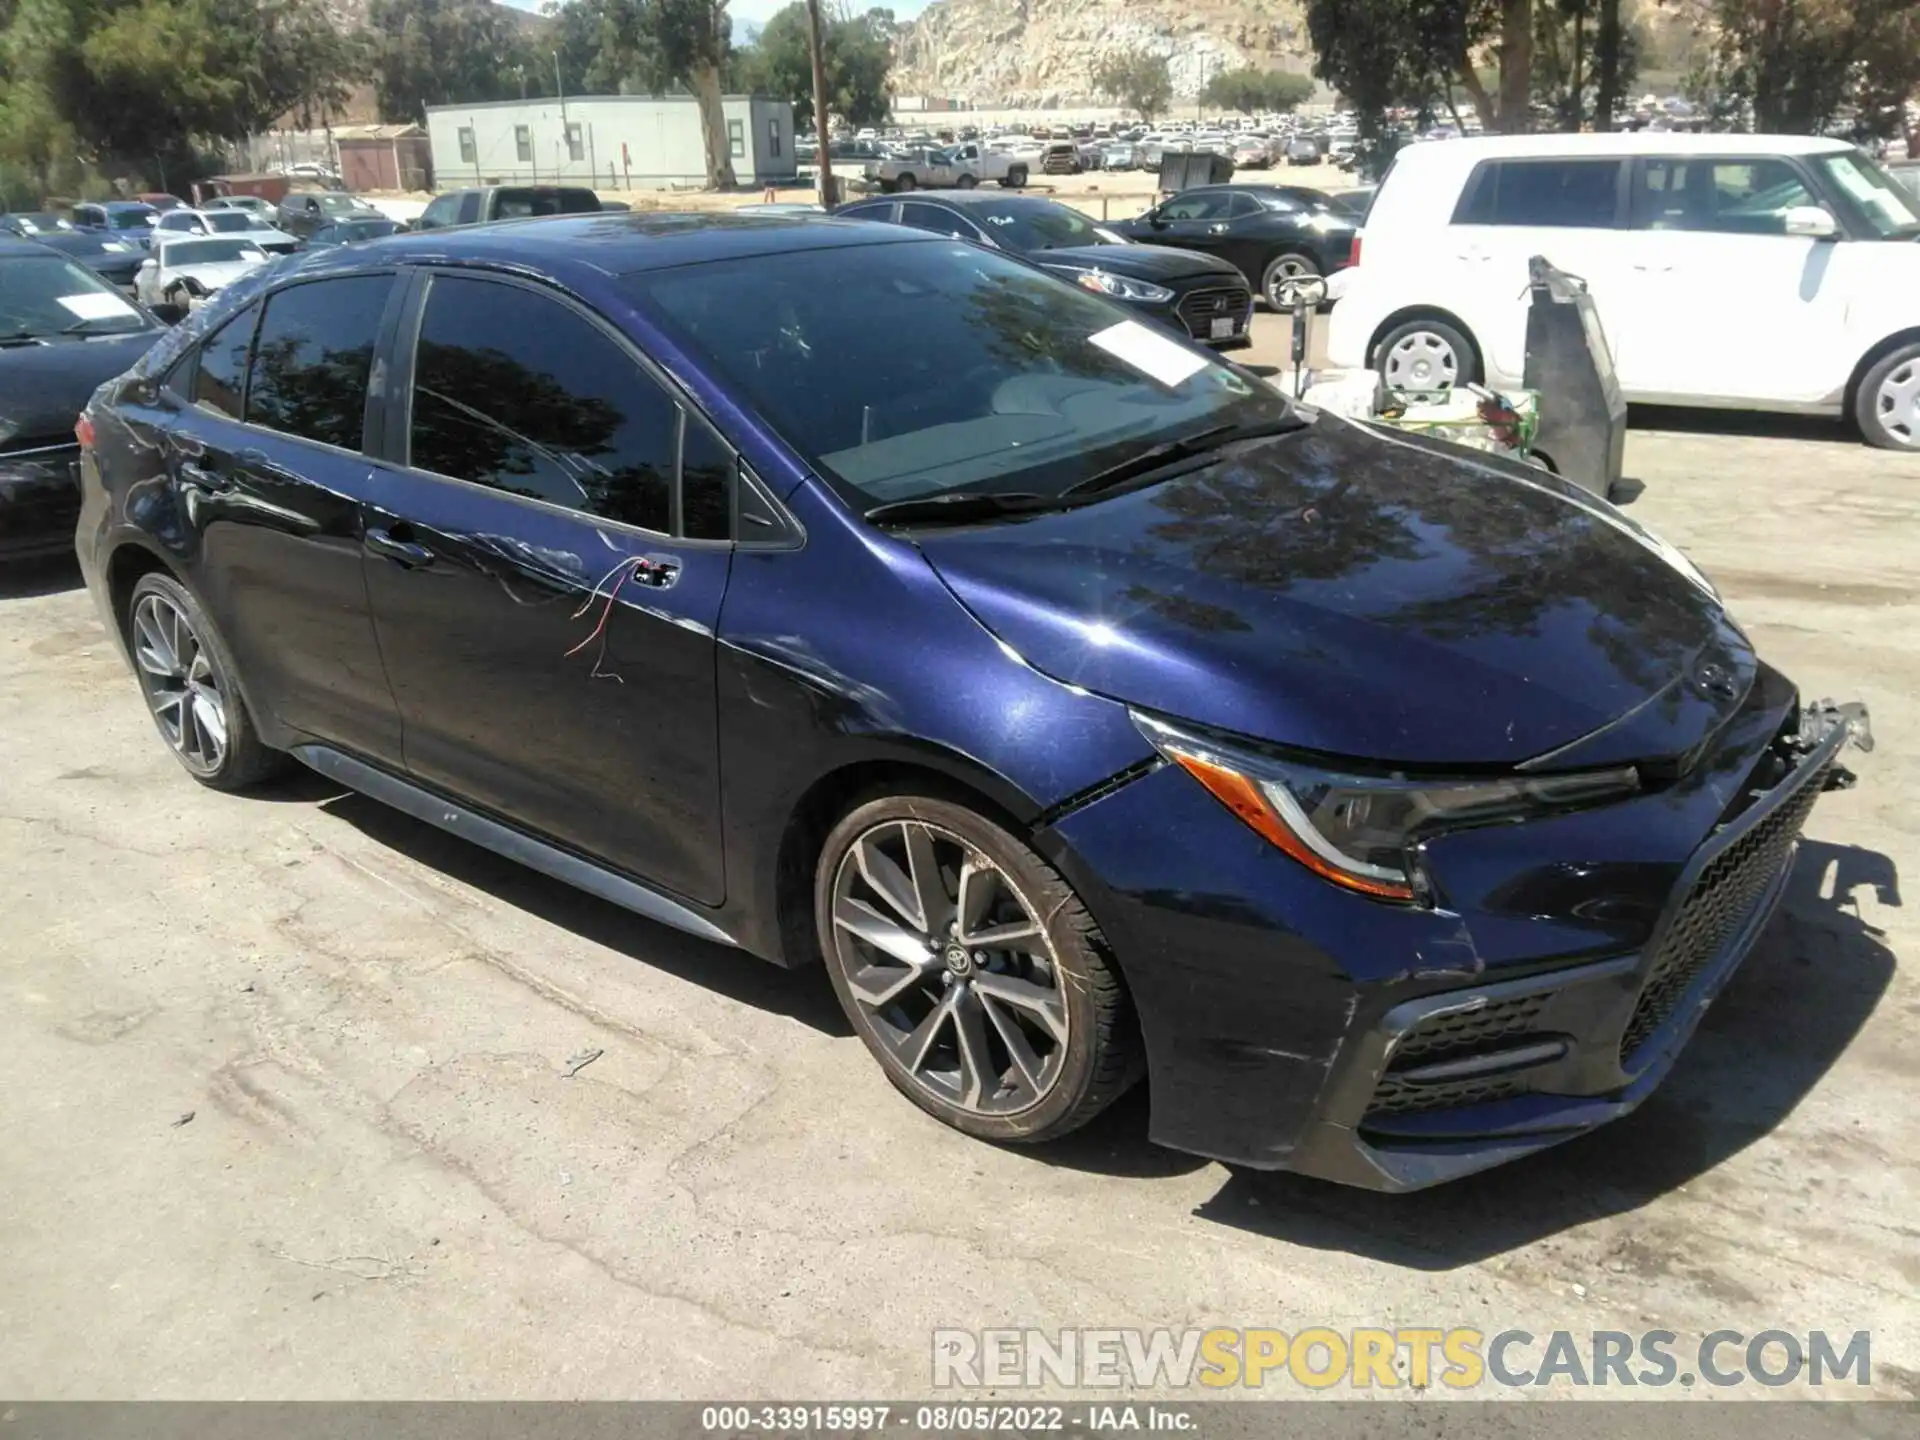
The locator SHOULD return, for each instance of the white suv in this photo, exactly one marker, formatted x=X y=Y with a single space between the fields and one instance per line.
x=1753 y=272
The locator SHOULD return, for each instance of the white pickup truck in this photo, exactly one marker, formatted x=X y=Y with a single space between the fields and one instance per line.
x=958 y=167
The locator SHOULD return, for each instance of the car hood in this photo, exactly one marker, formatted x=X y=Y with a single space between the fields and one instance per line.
x=1341 y=591
x=42 y=387
x=1142 y=262
x=212 y=276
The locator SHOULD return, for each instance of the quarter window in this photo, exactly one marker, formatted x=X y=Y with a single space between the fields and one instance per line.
x=1578 y=194
x=313 y=356
x=515 y=391
x=220 y=379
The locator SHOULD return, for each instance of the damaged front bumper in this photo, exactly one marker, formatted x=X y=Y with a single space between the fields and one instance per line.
x=1292 y=1026
x=1457 y=1082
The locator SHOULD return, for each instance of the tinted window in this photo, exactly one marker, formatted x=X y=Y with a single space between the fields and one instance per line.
x=1023 y=224
x=706 y=483
x=1242 y=205
x=440 y=212
x=312 y=357
x=514 y=390
x=922 y=216
x=1576 y=193
x=221 y=377
x=1196 y=207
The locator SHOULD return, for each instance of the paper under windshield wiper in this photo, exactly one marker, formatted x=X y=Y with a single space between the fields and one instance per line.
x=1155 y=458
x=956 y=507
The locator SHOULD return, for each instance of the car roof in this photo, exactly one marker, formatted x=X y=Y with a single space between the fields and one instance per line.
x=963 y=198
x=1626 y=142
x=612 y=242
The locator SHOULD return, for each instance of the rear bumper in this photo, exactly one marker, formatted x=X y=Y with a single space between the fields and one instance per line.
x=1389 y=1048
x=39 y=502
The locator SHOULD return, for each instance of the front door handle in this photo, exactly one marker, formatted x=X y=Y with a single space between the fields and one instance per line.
x=407 y=554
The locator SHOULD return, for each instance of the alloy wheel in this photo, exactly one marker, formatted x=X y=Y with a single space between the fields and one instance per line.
x=950 y=968
x=1285 y=274
x=1897 y=402
x=178 y=679
x=1421 y=360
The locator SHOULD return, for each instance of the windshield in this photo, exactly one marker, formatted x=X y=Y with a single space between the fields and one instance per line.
x=230 y=222
x=341 y=204
x=960 y=369
x=1888 y=210
x=1023 y=225
x=209 y=252
x=45 y=295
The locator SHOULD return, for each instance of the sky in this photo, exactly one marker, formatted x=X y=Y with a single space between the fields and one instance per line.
x=749 y=13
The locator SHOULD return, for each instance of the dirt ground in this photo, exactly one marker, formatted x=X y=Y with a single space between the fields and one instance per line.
x=285 y=1107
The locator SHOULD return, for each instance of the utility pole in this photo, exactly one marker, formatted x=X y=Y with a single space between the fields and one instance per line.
x=566 y=140
x=823 y=158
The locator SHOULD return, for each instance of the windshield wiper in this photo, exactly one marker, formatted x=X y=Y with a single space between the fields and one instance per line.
x=1154 y=462
x=956 y=507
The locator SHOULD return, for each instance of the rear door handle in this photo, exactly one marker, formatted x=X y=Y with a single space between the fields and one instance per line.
x=406 y=553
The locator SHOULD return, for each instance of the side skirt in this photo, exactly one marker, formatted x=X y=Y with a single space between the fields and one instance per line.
x=583 y=874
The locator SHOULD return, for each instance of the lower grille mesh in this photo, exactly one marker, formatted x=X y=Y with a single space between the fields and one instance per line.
x=1719 y=904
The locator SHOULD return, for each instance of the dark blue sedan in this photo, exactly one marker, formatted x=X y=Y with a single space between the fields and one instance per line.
x=852 y=595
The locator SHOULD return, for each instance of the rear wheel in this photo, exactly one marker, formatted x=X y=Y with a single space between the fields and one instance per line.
x=967 y=182
x=1887 y=406
x=1016 y=178
x=187 y=678
x=1426 y=355
x=972 y=971
x=1283 y=272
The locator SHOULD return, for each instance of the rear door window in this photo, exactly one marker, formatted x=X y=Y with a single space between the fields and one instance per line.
x=1571 y=194
x=312 y=358
x=935 y=219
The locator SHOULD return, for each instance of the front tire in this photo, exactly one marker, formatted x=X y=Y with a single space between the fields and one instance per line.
x=971 y=971
x=187 y=678
x=1426 y=355
x=1887 y=405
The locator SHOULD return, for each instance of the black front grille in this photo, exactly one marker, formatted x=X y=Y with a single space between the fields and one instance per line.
x=1716 y=908
x=1396 y=1095
x=1451 y=1037
x=1198 y=309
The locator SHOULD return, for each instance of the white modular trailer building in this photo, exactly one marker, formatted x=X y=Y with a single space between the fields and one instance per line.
x=610 y=142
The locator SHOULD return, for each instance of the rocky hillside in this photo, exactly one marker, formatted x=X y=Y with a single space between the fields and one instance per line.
x=1044 y=52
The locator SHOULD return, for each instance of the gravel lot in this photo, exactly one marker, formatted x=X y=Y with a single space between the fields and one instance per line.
x=284 y=1109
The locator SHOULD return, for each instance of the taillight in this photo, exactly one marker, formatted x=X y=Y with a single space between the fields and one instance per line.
x=83 y=431
x=1353 y=255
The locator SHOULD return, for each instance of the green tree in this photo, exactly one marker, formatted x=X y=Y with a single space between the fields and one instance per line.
x=856 y=53
x=1140 y=81
x=1251 y=91
x=136 y=85
x=663 y=45
x=436 y=52
x=1799 y=64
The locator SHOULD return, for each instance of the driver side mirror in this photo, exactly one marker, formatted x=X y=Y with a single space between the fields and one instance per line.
x=1809 y=221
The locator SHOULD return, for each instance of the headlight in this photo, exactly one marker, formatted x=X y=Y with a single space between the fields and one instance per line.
x=1361 y=831
x=1120 y=287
